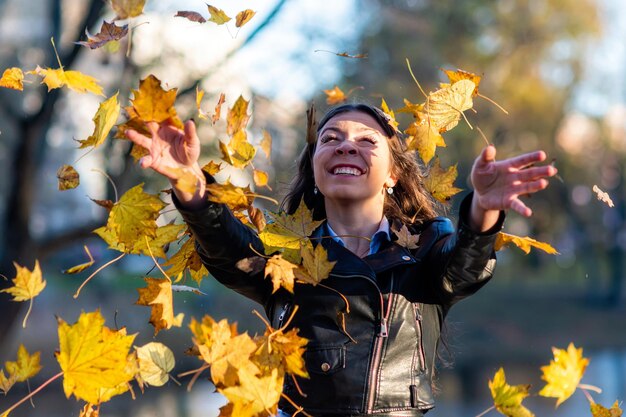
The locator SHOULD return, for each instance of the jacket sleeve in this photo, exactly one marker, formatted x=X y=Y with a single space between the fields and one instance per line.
x=221 y=241
x=461 y=262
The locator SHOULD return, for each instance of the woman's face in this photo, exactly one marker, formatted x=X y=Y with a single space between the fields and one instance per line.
x=352 y=160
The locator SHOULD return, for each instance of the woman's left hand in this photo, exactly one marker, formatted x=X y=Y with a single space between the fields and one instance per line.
x=499 y=184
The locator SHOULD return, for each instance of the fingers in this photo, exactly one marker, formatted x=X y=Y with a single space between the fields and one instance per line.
x=138 y=138
x=534 y=173
x=146 y=161
x=526 y=159
x=488 y=154
x=190 y=130
x=518 y=206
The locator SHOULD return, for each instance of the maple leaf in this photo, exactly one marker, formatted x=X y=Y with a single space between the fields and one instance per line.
x=440 y=183
x=524 y=243
x=286 y=231
x=390 y=116
x=281 y=350
x=212 y=168
x=104 y=120
x=424 y=138
x=108 y=32
x=126 y=9
x=239 y=152
x=244 y=17
x=26 y=366
x=6 y=383
x=237 y=117
x=597 y=410
x=281 y=272
x=236 y=198
x=257 y=218
x=135 y=214
x=508 y=398
x=151 y=103
x=255 y=394
x=158 y=296
x=218 y=108
x=80 y=267
x=12 y=78
x=563 y=373
x=187 y=259
x=603 y=196
x=155 y=362
x=315 y=263
x=193 y=16
x=74 y=80
x=405 y=238
x=335 y=96
x=217 y=15
x=416 y=110
x=444 y=107
x=94 y=359
x=26 y=286
x=68 y=177
x=260 y=178
x=142 y=245
x=89 y=411
x=459 y=75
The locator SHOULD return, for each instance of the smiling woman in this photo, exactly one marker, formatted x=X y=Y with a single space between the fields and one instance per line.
x=374 y=326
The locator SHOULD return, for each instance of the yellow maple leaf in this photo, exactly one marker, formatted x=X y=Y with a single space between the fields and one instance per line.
x=26 y=286
x=316 y=264
x=218 y=108
x=237 y=117
x=598 y=410
x=217 y=15
x=255 y=394
x=74 y=80
x=424 y=139
x=282 y=351
x=391 y=117
x=104 y=119
x=126 y=9
x=135 y=215
x=405 y=238
x=94 y=359
x=6 y=383
x=508 y=398
x=563 y=373
x=244 y=17
x=443 y=107
x=186 y=259
x=26 y=366
x=236 y=198
x=158 y=296
x=142 y=245
x=415 y=109
x=155 y=362
x=238 y=152
x=524 y=243
x=459 y=75
x=68 y=178
x=335 y=96
x=212 y=168
x=151 y=103
x=440 y=183
x=12 y=78
x=281 y=272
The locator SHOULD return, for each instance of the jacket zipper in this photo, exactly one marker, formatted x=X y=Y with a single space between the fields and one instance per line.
x=377 y=354
x=420 y=336
x=283 y=313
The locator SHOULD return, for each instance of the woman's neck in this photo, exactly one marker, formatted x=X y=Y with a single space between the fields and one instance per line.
x=355 y=225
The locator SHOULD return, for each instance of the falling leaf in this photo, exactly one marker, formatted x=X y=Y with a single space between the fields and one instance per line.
x=80 y=267
x=6 y=383
x=316 y=264
x=244 y=17
x=440 y=183
x=26 y=286
x=158 y=296
x=424 y=138
x=151 y=103
x=74 y=80
x=68 y=177
x=193 y=16
x=155 y=362
x=524 y=243
x=597 y=410
x=237 y=118
x=347 y=55
x=142 y=244
x=266 y=144
x=184 y=179
x=186 y=288
x=459 y=75
x=257 y=218
x=260 y=178
x=12 y=78
x=281 y=272
x=563 y=373
x=602 y=196
x=26 y=366
x=107 y=204
x=217 y=15
x=281 y=350
x=390 y=117
x=238 y=152
x=108 y=32
x=255 y=394
x=199 y=95
x=335 y=96
x=89 y=411
x=218 y=108
x=508 y=398
x=236 y=198
x=212 y=168
x=444 y=107
x=186 y=259
x=94 y=359
x=405 y=238
x=104 y=120
x=126 y=9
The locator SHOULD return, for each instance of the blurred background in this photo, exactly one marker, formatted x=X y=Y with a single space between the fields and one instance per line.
x=557 y=66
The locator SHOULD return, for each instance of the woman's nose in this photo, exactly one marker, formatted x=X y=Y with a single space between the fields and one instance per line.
x=345 y=147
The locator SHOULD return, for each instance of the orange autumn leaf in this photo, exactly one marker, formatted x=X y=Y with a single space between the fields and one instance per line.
x=281 y=350
x=405 y=238
x=95 y=360
x=217 y=15
x=68 y=177
x=186 y=259
x=255 y=395
x=563 y=373
x=260 y=178
x=424 y=139
x=598 y=410
x=315 y=263
x=12 y=78
x=126 y=9
x=236 y=198
x=74 y=80
x=26 y=286
x=390 y=116
x=524 y=243
x=507 y=398
x=218 y=108
x=335 y=96
x=26 y=366
x=158 y=296
x=237 y=117
x=104 y=120
x=212 y=168
x=238 y=152
x=459 y=75
x=244 y=17
x=281 y=272
x=266 y=144
x=444 y=107
x=151 y=103
x=440 y=183
x=108 y=32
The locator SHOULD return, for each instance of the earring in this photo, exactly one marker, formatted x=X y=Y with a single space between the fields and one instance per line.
x=389 y=190
x=315 y=190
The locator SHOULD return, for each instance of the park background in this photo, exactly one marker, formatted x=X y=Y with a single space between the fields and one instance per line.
x=557 y=66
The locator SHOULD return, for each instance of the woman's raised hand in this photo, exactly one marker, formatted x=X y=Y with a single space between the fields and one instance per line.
x=499 y=184
x=171 y=150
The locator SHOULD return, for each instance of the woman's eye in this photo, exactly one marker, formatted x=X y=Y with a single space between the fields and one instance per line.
x=326 y=139
x=369 y=140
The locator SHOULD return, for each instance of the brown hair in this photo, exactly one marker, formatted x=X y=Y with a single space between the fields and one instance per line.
x=409 y=203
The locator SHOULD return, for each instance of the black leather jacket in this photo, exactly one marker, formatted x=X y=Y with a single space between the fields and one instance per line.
x=375 y=354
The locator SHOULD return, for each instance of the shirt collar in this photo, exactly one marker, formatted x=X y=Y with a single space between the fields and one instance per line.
x=381 y=235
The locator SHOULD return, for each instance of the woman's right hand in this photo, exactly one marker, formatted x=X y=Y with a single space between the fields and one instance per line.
x=170 y=151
